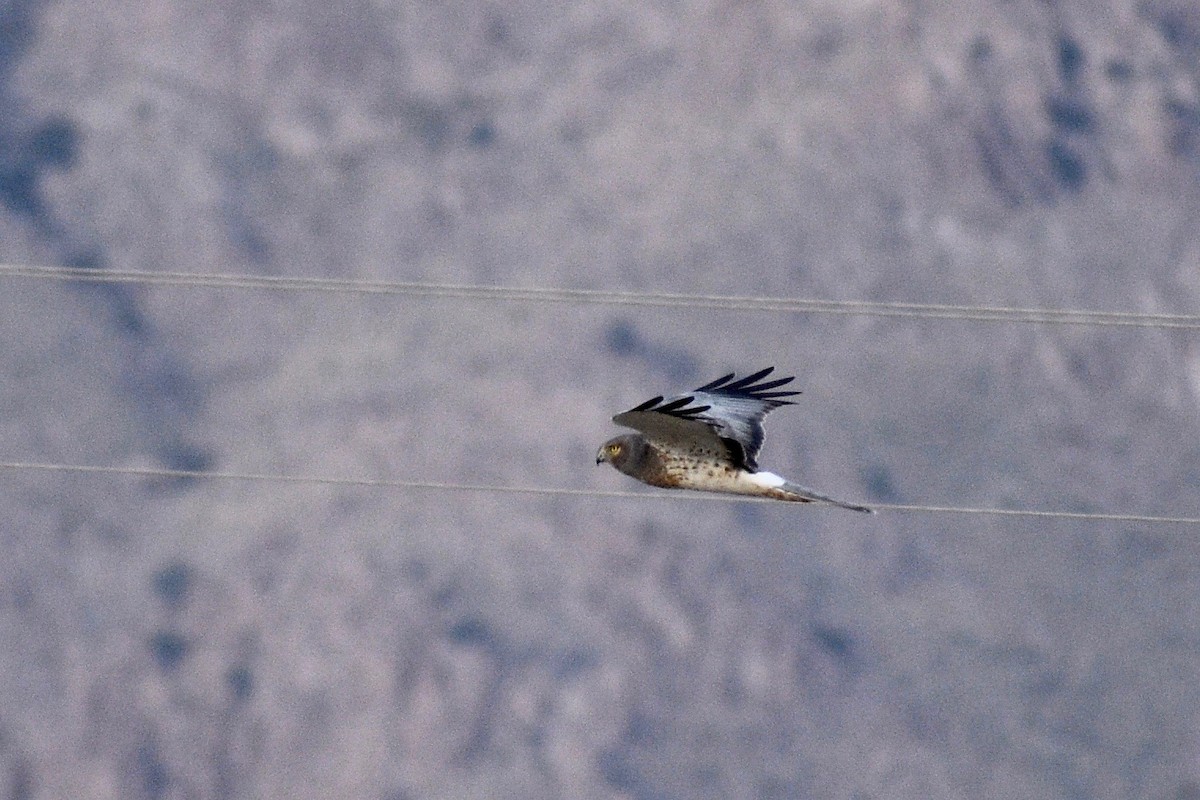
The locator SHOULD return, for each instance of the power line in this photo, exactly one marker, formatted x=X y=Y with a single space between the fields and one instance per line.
x=1045 y=316
x=143 y=472
x=598 y=297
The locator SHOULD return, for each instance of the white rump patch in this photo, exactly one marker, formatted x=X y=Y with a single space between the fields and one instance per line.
x=767 y=479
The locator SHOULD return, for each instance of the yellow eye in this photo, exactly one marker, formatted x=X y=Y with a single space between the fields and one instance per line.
x=613 y=449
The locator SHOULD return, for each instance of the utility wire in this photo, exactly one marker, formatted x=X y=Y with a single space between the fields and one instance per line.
x=1045 y=316
x=599 y=297
x=28 y=466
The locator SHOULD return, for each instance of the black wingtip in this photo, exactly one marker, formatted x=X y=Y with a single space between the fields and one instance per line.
x=674 y=405
x=717 y=383
x=679 y=407
x=649 y=404
x=762 y=387
x=749 y=379
x=750 y=385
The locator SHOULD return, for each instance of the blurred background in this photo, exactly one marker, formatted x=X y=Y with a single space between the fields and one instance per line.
x=213 y=639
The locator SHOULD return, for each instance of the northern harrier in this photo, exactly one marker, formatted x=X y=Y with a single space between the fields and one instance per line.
x=708 y=440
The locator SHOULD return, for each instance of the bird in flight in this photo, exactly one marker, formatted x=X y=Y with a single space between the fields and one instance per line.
x=708 y=440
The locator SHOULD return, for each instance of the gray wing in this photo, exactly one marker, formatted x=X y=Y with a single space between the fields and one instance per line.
x=726 y=414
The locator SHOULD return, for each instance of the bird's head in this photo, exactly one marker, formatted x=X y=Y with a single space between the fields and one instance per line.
x=618 y=451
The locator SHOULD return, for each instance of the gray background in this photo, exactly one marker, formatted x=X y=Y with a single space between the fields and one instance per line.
x=200 y=639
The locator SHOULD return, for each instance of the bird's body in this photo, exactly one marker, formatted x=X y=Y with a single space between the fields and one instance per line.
x=707 y=440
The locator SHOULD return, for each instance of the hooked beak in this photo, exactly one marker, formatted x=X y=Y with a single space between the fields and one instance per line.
x=600 y=459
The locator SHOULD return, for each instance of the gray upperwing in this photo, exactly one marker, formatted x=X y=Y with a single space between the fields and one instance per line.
x=669 y=429
x=738 y=419
x=736 y=407
x=726 y=413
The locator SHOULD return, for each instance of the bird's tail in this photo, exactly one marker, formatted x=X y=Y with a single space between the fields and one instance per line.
x=803 y=494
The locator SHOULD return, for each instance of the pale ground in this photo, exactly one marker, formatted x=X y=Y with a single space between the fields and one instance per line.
x=252 y=640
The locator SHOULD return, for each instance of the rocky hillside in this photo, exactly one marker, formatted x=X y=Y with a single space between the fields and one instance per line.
x=170 y=638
